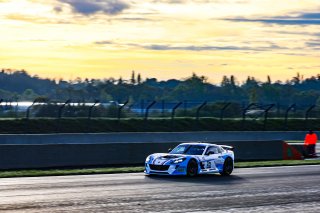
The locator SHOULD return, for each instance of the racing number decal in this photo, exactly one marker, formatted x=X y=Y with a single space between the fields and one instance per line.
x=209 y=164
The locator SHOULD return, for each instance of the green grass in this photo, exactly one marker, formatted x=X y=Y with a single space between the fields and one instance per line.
x=60 y=172
x=82 y=125
x=295 y=141
x=109 y=170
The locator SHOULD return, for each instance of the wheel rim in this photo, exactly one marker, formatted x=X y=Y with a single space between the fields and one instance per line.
x=192 y=170
x=229 y=166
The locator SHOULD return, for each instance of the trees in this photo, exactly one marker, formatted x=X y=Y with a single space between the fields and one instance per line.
x=193 y=88
x=139 y=79
x=299 y=90
x=28 y=94
x=133 y=79
x=104 y=96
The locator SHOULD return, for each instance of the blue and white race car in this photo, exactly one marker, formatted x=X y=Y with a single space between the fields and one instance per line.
x=192 y=159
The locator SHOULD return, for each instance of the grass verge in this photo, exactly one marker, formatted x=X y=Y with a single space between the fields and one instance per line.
x=181 y=124
x=60 y=172
x=108 y=170
x=295 y=141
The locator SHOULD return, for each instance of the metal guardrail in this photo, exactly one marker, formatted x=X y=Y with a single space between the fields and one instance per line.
x=145 y=109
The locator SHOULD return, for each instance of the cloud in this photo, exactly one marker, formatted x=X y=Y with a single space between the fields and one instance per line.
x=89 y=7
x=199 y=1
x=134 y=19
x=313 y=43
x=310 y=15
x=192 y=47
x=103 y=42
x=302 y=19
x=170 y=1
x=35 y=19
x=208 y=47
x=57 y=9
x=165 y=47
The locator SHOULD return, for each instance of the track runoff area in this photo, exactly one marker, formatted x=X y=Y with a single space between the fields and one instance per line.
x=262 y=189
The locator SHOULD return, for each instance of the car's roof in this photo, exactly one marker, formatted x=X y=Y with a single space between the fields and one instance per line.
x=198 y=143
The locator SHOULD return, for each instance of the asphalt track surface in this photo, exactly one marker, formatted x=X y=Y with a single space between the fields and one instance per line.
x=274 y=189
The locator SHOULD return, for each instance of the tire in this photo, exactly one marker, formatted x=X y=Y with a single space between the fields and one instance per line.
x=227 y=167
x=192 y=168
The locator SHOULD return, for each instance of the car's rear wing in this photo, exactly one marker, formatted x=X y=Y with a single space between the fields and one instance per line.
x=231 y=148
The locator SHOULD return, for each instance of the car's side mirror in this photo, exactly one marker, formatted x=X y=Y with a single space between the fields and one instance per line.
x=170 y=149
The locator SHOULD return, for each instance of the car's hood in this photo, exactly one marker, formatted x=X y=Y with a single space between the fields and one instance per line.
x=162 y=158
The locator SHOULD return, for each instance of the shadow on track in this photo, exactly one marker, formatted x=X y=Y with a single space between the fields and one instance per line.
x=201 y=179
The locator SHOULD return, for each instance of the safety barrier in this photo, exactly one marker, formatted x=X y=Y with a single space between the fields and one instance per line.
x=135 y=137
x=291 y=152
x=20 y=156
x=300 y=148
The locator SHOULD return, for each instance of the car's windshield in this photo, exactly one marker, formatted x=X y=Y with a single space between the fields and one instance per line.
x=188 y=149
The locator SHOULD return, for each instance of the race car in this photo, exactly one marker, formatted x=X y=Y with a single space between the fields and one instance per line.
x=192 y=159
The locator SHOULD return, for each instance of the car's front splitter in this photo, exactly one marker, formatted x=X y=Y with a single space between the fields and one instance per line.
x=172 y=170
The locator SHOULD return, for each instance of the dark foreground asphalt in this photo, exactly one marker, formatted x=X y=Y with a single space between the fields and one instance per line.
x=276 y=189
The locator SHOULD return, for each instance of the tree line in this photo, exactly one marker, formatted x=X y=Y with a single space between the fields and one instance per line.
x=19 y=85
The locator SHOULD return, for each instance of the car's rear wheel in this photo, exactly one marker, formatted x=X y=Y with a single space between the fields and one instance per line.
x=192 y=168
x=227 y=167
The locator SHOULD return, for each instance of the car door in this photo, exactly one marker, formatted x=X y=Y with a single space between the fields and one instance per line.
x=212 y=158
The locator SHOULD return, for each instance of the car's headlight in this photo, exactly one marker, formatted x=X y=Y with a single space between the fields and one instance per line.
x=148 y=158
x=179 y=160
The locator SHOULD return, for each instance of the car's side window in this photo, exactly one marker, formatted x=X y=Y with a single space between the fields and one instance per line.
x=212 y=150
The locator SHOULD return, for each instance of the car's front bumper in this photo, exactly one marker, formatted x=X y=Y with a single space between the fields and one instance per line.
x=174 y=169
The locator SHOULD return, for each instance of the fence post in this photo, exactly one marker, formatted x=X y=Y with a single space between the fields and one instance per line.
x=199 y=108
x=244 y=111
x=307 y=115
x=266 y=111
x=120 y=109
x=142 y=107
x=278 y=109
x=222 y=111
x=16 y=107
x=29 y=107
x=91 y=107
x=60 y=114
x=1 y=103
x=292 y=106
x=173 y=112
x=185 y=106
x=61 y=108
x=163 y=107
x=130 y=105
x=147 y=109
x=308 y=111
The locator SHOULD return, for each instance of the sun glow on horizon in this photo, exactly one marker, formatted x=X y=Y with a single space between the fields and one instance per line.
x=99 y=39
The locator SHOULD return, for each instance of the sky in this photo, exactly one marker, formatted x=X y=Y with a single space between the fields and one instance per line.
x=164 y=39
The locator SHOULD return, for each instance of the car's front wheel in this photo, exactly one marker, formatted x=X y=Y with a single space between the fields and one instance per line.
x=192 y=169
x=227 y=167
